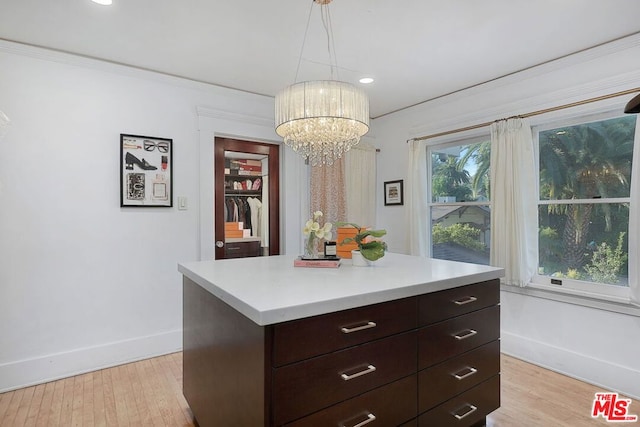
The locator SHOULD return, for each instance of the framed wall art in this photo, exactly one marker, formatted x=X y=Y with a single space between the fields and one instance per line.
x=393 y=193
x=146 y=171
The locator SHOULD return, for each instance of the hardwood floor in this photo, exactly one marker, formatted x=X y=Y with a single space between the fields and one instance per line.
x=149 y=393
x=145 y=393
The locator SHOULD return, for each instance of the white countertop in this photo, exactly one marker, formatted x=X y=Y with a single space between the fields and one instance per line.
x=270 y=290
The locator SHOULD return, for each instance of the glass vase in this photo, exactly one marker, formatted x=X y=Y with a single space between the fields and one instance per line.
x=311 y=247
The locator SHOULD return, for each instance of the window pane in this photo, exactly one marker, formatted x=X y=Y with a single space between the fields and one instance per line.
x=461 y=233
x=590 y=160
x=460 y=173
x=585 y=242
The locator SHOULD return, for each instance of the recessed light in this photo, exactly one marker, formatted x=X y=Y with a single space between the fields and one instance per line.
x=103 y=2
x=366 y=80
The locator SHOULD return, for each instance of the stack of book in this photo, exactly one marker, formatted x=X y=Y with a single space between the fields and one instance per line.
x=235 y=230
x=248 y=167
x=322 y=262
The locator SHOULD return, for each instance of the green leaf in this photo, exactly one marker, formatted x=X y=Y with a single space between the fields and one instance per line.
x=372 y=250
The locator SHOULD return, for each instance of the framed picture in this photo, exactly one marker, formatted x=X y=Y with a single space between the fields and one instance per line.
x=146 y=171
x=393 y=193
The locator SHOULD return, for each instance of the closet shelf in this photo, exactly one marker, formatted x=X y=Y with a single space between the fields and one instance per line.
x=243 y=192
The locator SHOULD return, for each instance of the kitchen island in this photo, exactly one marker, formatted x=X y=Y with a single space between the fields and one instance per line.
x=408 y=341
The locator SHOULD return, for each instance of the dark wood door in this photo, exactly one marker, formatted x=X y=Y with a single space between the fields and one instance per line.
x=271 y=152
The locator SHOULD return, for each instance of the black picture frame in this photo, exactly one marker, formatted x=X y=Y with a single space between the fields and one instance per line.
x=146 y=171
x=394 y=193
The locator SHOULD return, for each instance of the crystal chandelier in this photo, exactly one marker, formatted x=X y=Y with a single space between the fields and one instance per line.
x=322 y=119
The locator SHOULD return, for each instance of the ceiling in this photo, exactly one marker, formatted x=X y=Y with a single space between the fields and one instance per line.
x=415 y=49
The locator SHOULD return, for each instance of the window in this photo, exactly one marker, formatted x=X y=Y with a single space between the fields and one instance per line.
x=584 y=204
x=459 y=200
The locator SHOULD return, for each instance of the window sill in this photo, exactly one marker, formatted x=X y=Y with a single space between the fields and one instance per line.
x=572 y=296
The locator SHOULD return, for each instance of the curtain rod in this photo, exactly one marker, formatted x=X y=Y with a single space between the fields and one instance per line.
x=531 y=114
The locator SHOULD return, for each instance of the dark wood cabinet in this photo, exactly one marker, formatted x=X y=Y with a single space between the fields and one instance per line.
x=429 y=360
x=242 y=249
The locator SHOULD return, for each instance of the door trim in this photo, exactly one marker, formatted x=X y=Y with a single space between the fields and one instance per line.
x=222 y=144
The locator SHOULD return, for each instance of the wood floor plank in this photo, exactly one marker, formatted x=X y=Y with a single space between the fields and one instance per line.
x=123 y=408
x=87 y=400
x=44 y=414
x=66 y=410
x=99 y=414
x=111 y=417
x=56 y=404
x=35 y=405
x=139 y=396
x=12 y=409
x=77 y=402
x=144 y=371
x=23 y=408
x=5 y=400
x=128 y=394
x=171 y=389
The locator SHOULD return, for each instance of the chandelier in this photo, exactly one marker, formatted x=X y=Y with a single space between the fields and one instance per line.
x=322 y=119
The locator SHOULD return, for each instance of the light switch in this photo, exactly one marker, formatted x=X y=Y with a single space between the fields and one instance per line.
x=182 y=203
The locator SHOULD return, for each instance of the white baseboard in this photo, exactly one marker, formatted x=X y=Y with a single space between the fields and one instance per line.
x=601 y=373
x=52 y=367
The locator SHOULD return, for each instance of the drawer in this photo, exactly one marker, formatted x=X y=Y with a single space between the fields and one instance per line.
x=443 y=305
x=466 y=409
x=241 y=249
x=450 y=338
x=302 y=388
x=389 y=405
x=452 y=377
x=301 y=339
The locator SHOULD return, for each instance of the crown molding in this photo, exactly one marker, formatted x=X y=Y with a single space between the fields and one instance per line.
x=66 y=58
x=215 y=113
x=522 y=105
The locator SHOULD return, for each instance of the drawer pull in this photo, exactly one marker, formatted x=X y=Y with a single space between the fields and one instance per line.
x=467 y=300
x=470 y=410
x=465 y=334
x=370 y=417
x=367 y=325
x=470 y=372
x=347 y=377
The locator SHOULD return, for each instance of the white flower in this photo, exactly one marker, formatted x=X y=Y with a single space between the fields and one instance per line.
x=313 y=229
x=308 y=228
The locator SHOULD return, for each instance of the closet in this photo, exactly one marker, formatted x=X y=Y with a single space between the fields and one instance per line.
x=246 y=199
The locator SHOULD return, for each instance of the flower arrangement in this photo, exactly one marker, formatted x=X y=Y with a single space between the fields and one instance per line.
x=368 y=241
x=314 y=233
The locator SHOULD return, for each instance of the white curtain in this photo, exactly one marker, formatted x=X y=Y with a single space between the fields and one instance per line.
x=634 y=221
x=514 y=210
x=360 y=181
x=419 y=234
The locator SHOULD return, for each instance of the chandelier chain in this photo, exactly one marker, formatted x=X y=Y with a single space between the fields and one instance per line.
x=304 y=40
x=331 y=46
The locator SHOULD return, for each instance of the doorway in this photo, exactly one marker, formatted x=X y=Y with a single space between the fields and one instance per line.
x=246 y=199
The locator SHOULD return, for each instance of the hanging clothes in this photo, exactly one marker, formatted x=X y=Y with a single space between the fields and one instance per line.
x=256 y=213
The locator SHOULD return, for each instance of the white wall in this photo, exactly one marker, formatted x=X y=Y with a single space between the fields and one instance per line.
x=600 y=346
x=83 y=282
